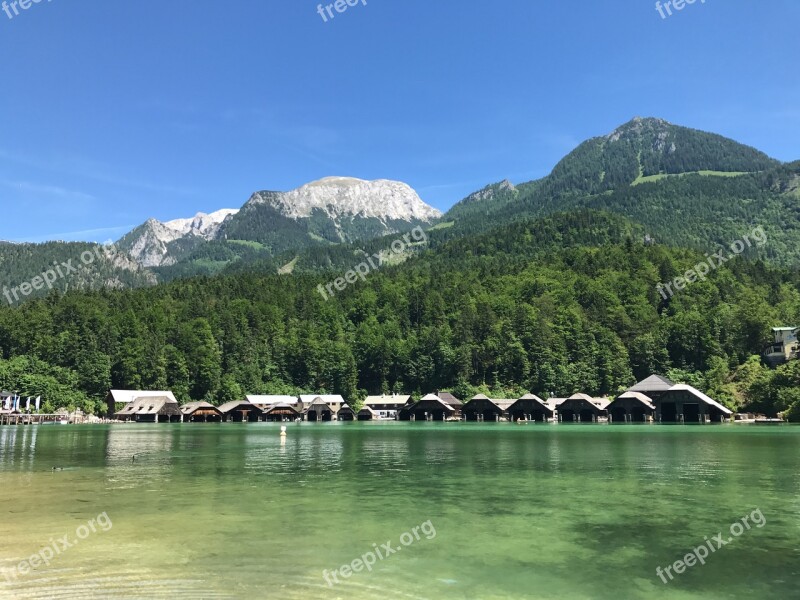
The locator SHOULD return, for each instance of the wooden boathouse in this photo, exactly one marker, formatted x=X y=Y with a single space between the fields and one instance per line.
x=632 y=407
x=429 y=408
x=346 y=413
x=240 y=411
x=151 y=409
x=582 y=408
x=201 y=412
x=319 y=410
x=680 y=403
x=530 y=408
x=482 y=408
x=280 y=412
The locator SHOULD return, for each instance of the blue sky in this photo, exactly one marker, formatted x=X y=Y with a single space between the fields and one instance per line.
x=114 y=112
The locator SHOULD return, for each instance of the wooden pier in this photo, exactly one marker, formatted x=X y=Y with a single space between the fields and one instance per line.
x=23 y=419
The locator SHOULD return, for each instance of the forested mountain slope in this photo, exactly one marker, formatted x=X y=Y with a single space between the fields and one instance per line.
x=554 y=306
x=686 y=187
x=70 y=266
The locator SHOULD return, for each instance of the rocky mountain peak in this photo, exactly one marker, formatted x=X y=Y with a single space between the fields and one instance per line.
x=202 y=224
x=339 y=197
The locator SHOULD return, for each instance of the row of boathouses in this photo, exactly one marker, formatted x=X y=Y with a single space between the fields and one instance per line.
x=655 y=399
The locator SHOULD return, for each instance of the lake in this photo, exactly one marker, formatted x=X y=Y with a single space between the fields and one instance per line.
x=467 y=511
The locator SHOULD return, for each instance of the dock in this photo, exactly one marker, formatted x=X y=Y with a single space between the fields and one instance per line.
x=23 y=419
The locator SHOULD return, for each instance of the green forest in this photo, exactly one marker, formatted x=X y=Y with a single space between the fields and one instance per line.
x=555 y=305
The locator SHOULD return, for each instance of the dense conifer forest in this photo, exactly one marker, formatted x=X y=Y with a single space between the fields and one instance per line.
x=548 y=286
x=557 y=305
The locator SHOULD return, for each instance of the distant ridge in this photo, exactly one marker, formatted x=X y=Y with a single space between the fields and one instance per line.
x=330 y=210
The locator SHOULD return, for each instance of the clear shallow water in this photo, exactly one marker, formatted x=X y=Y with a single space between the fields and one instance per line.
x=544 y=511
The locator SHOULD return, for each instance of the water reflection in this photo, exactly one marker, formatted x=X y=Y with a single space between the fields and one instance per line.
x=206 y=508
x=17 y=447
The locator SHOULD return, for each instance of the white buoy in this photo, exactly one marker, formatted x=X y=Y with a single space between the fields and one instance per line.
x=283 y=430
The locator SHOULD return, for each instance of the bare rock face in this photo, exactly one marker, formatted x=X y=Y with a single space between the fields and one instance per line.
x=202 y=225
x=149 y=244
x=346 y=196
x=344 y=202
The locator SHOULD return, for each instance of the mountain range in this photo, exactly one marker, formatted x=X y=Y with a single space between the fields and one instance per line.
x=548 y=286
x=333 y=210
x=682 y=186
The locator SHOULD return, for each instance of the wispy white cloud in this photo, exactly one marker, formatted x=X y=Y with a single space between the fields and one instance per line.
x=50 y=190
x=90 y=169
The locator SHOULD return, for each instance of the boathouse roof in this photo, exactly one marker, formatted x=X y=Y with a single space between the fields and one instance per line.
x=503 y=403
x=282 y=408
x=601 y=403
x=682 y=387
x=237 y=404
x=270 y=400
x=326 y=398
x=654 y=383
x=534 y=398
x=192 y=407
x=127 y=396
x=450 y=399
x=388 y=399
x=436 y=399
x=642 y=398
x=151 y=406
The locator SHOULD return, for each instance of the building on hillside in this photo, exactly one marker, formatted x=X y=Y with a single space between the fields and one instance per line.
x=582 y=408
x=632 y=407
x=680 y=403
x=201 y=412
x=482 y=408
x=430 y=408
x=530 y=408
x=386 y=406
x=117 y=399
x=240 y=411
x=151 y=409
x=784 y=348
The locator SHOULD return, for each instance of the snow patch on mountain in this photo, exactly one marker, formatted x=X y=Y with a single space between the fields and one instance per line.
x=202 y=224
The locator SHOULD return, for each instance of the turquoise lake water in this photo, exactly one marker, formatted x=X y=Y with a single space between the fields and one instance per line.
x=501 y=510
